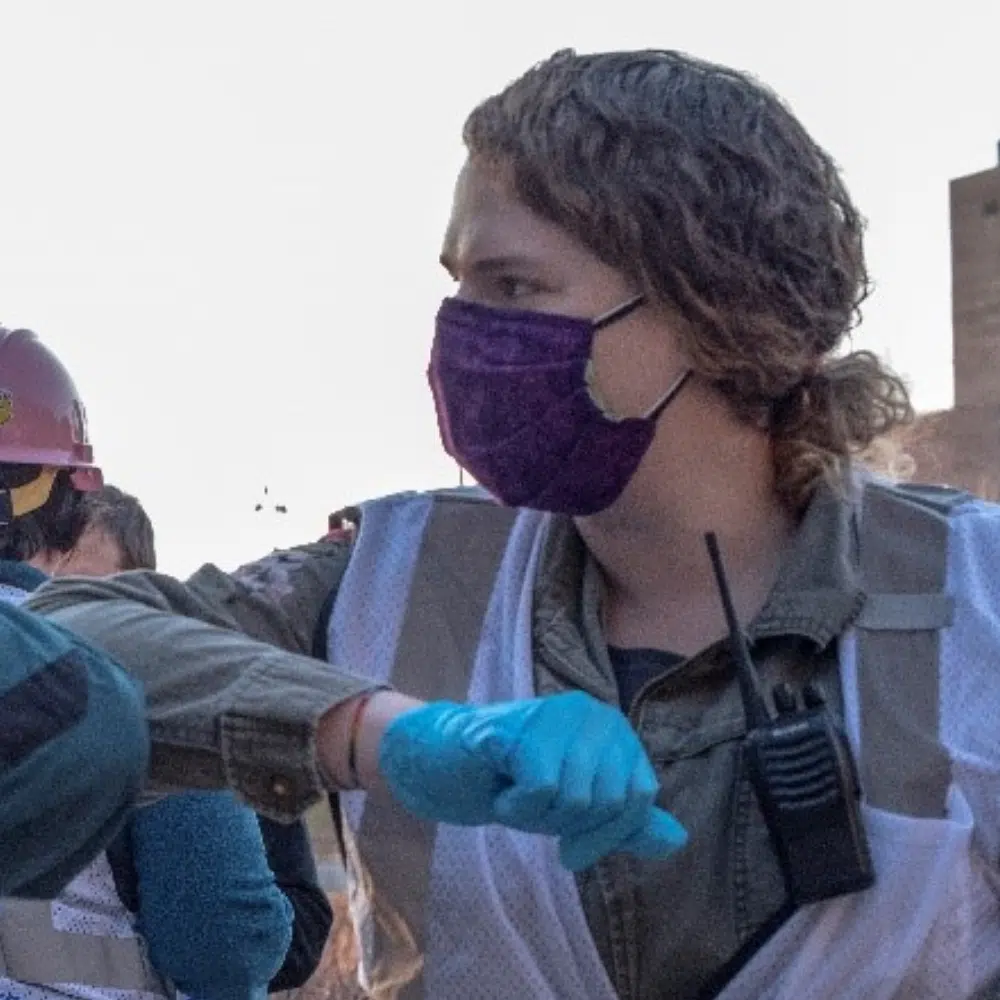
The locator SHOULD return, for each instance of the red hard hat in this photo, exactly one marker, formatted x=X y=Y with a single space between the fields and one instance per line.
x=42 y=419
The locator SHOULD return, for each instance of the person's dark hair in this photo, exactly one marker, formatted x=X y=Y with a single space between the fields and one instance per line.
x=345 y=519
x=56 y=525
x=698 y=183
x=122 y=518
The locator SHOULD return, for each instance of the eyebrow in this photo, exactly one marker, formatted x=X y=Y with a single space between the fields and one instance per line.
x=488 y=265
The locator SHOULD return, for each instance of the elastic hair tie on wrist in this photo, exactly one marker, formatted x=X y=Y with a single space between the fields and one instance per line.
x=352 y=746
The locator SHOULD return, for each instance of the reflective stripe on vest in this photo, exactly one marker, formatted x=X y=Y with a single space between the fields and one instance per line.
x=434 y=654
x=34 y=951
x=498 y=912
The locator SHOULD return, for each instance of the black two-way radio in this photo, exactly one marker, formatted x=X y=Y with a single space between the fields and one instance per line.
x=802 y=770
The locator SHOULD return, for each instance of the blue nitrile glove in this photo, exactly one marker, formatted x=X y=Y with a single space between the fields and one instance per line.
x=565 y=765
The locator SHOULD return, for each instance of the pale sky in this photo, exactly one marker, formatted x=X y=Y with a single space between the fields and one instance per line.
x=225 y=215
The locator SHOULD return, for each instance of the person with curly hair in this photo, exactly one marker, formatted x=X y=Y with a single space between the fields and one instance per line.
x=656 y=272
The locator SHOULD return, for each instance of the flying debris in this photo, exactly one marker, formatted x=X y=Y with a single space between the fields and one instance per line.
x=278 y=508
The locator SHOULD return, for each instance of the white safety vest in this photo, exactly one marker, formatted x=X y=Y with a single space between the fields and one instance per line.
x=437 y=599
x=84 y=944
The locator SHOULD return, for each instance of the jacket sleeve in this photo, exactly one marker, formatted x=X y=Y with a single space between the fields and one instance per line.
x=223 y=710
x=213 y=918
x=284 y=598
x=74 y=750
x=291 y=859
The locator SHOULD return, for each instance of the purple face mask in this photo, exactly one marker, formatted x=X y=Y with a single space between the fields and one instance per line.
x=515 y=409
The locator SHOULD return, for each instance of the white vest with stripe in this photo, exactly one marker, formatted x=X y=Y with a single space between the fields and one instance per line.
x=490 y=914
x=84 y=944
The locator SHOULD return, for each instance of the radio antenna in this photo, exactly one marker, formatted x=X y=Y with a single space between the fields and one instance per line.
x=753 y=701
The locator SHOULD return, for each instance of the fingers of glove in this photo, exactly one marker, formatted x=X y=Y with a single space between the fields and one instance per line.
x=596 y=742
x=626 y=783
x=610 y=749
x=492 y=732
x=611 y=780
x=535 y=763
x=577 y=805
x=600 y=764
x=625 y=774
x=595 y=786
x=536 y=800
x=582 y=848
x=642 y=781
x=597 y=753
x=527 y=808
x=659 y=837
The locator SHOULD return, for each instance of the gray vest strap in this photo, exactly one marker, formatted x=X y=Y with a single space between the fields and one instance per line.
x=903 y=549
x=33 y=951
x=437 y=646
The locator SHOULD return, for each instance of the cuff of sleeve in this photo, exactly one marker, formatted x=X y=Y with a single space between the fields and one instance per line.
x=269 y=744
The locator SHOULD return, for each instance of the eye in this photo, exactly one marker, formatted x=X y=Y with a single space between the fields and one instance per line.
x=511 y=288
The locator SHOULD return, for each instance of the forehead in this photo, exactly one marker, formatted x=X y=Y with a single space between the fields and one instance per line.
x=488 y=221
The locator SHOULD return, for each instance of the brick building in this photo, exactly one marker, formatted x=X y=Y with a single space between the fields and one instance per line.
x=961 y=446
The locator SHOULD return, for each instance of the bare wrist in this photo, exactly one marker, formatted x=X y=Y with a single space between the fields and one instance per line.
x=334 y=736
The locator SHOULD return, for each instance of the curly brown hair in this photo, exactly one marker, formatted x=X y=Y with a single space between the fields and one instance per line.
x=700 y=185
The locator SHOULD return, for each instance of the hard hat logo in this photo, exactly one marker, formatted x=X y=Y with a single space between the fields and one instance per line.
x=6 y=406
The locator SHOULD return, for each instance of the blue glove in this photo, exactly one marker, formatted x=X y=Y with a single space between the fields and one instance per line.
x=565 y=765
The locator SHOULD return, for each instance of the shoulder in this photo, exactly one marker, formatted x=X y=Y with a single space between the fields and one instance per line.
x=974 y=554
x=934 y=499
x=288 y=575
x=968 y=525
x=295 y=588
x=280 y=575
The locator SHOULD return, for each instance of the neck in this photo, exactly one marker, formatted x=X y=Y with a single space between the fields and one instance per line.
x=46 y=561
x=650 y=546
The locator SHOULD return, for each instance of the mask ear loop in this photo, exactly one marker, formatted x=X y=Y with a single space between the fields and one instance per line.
x=669 y=396
x=619 y=312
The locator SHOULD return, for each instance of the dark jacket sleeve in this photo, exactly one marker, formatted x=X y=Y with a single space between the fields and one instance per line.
x=74 y=750
x=284 y=598
x=223 y=709
x=290 y=856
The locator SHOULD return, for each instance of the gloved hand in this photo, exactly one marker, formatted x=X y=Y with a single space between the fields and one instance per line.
x=565 y=765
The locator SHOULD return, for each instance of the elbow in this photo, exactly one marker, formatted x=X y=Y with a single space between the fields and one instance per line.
x=231 y=959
